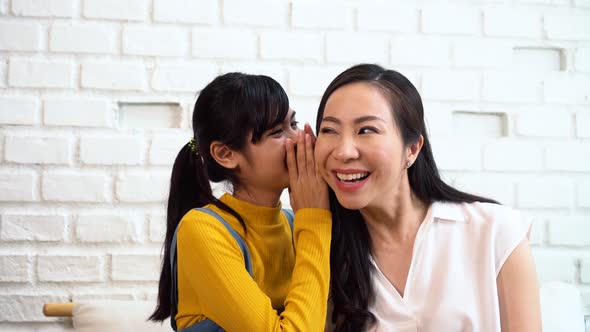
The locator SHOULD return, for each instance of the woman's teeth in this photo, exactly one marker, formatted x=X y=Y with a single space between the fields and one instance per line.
x=351 y=177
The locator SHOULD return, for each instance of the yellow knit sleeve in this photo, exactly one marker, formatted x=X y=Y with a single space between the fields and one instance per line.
x=230 y=297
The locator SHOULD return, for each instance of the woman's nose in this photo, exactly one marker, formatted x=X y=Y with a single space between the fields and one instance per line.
x=346 y=149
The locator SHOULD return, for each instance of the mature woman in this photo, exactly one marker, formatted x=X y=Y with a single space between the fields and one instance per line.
x=409 y=252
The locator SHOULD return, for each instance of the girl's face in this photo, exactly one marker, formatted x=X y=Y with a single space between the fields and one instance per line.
x=263 y=165
x=359 y=150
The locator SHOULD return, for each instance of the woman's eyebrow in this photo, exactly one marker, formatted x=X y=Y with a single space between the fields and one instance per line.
x=356 y=121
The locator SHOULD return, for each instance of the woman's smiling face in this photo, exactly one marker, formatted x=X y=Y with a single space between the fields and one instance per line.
x=359 y=149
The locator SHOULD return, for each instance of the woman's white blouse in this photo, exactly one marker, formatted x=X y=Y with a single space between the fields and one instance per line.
x=451 y=286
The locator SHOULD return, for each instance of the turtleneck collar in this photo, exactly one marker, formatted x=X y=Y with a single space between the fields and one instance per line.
x=251 y=213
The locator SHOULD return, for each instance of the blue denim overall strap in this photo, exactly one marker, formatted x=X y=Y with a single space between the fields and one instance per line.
x=290 y=216
x=208 y=325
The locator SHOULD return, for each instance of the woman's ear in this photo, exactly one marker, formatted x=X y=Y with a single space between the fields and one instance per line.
x=223 y=155
x=414 y=149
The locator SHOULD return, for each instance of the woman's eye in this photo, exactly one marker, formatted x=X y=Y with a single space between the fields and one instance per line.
x=295 y=124
x=368 y=130
x=326 y=130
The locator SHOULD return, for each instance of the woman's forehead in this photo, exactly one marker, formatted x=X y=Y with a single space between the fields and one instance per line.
x=357 y=99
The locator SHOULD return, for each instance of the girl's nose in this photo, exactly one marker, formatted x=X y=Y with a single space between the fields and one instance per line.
x=292 y=133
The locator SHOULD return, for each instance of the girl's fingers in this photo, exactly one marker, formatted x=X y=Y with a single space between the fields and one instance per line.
x=301 y=162
x=309 y=155
x=309 y=131
x=291 y=163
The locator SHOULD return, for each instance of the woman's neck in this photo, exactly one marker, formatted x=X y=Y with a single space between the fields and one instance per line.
x=396 y=222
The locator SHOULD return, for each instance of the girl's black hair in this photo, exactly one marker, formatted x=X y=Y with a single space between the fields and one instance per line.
x=351 y=287
x=227 y=110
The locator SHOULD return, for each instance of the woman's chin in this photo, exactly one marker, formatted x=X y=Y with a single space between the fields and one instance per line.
x=351 y=204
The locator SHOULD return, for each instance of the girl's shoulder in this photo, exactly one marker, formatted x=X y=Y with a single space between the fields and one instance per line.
x=208 y=223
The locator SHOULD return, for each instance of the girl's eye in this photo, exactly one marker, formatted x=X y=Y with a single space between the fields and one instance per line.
x=276 y=132
x=295 y=124
x=368 y=130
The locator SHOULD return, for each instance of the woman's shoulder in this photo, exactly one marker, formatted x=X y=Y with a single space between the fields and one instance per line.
x=476 y=212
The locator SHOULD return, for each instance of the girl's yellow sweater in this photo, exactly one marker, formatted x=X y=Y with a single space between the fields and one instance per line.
x=213 y=282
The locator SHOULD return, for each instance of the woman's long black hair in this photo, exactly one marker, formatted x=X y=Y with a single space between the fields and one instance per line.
x=227 y=110
x=351 y=288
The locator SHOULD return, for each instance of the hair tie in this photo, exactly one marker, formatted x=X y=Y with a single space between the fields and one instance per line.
x=192 y=144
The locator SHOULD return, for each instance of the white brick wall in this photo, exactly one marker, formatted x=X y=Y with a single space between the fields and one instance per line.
x=182 y=76
x=160 y=41
x=555 y=266
x=108 y=228
x=232 y=44
x=368 y=48
x=381 y=17
x=116 y=76
x=540 y=193
x=37 y=149
x=535 y=123
x=20 y=36
x=165 y=148
x=487 y=54
x=83 y=38
x=25 y=308
x=18 y=185
x=507 y=22
x=569 y=231
x=92 y=112
x=585 y=275
x=311 y=80
x=40 y=73
x=69 y=268
x=583 y=193
x=582 y=57
x=19 y=110
x=567 y=27
x=135 y=267
x=74 y=186
x=185 y=11
x=565 y=89
x=3 y=71
x=420 y=51
x=291 y=45
x=583 y=125
x=157 y=228
x=42 y=228
x=451 y=85
x=266 y=13
x=448 y=157
x=96 y=99
x=569 y=156
x=312 y=14
x=44 y=8
x=466 y=20
x=14 y=268
x=142 y=187
x=133 y=10
x=507 y=155
x=510 y=87
x=123 y=150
